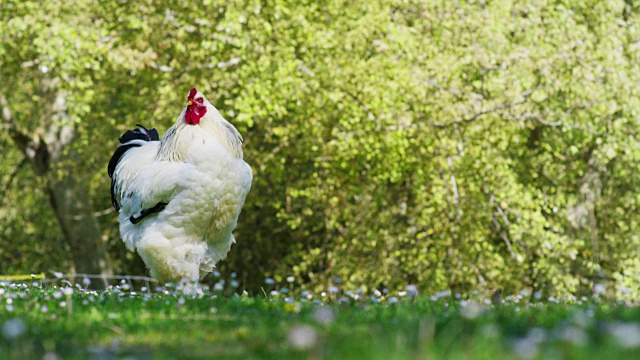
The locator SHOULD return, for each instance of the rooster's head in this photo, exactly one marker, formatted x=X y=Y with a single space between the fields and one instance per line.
x=196 y=107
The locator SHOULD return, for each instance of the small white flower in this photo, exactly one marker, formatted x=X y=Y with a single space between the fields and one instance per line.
x=216 y=273
x=470 y=310
x=269 y=281
x=213 y=310
x=14 y=328
x=627 y=335
x=377 y=292
x=57 y=295
x=599 y=289
x=290 y=279
x=86 y=281
x=333 y=289
x=574 y=335
x=68 y=291
x=234 y=283
x=303 y=337
x=44 y=309
x=63 y=303
x=624 y=290
x=323 y=315
x=525 y=348
x=274 y=293
x=9 y=301
x=219 y=286
x=392 y=300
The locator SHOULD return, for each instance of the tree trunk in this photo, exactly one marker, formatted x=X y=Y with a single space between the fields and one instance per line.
x=81 y=229
x=67 y=195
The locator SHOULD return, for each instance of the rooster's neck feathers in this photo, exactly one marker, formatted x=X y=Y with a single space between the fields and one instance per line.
x=176 y=141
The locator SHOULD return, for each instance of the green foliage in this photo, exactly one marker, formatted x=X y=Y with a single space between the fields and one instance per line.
x=454 y=145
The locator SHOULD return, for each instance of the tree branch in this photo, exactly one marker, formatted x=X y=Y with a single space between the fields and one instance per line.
x=9 y=122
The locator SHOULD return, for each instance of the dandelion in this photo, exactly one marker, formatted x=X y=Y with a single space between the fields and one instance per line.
x=302 y=337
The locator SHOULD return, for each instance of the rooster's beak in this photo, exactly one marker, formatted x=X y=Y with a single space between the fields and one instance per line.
x=189 y=103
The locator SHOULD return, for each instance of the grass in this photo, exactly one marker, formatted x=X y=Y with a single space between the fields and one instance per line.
x=42 y=321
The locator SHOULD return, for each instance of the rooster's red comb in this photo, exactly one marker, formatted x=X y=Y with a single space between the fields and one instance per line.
x=192 y=93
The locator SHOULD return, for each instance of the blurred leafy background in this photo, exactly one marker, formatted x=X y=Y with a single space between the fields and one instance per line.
x=463 y=145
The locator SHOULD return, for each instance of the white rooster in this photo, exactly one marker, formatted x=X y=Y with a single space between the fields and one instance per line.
x=179 y=198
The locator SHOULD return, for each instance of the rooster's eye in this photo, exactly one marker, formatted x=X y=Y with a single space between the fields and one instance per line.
x=199 y=100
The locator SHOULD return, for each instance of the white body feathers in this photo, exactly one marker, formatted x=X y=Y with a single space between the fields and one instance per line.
x=198 y=171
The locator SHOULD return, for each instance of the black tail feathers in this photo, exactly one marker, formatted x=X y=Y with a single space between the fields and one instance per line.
x=141 y=133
